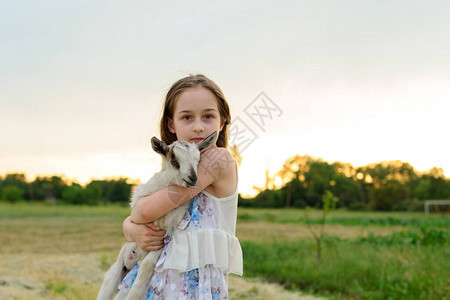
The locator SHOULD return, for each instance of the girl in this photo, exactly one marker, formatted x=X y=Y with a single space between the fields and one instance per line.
x=197 y=258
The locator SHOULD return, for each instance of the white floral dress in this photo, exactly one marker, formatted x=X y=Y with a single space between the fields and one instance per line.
x=208 y=278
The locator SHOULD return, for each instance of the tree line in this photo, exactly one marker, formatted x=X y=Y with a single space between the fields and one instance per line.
x=14 y=188
x=301 y=182
x=384 y=186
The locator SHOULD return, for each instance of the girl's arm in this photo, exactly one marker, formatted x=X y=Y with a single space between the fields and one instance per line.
x=215 y=164
x=148 y=237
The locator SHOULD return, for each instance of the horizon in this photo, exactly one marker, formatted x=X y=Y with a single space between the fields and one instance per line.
x=254 y=191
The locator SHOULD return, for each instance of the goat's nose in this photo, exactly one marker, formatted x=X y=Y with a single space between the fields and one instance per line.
x=193 y=178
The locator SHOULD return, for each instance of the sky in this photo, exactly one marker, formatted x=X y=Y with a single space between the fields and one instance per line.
x=82 y=82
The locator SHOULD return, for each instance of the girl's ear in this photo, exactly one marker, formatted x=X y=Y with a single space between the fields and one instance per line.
x=223 y=124
x=170 y=125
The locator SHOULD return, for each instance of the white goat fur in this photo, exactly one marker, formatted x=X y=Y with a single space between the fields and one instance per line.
x=179 y=167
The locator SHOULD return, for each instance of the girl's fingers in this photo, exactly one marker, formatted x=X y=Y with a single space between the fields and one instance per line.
x=157 y=234
x=160 y=234
x=152 y=246
x=152 y=226
x=157 y=231
x=156 y=244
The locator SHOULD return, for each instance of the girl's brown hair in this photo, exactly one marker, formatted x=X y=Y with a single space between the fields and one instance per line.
x=180 y=86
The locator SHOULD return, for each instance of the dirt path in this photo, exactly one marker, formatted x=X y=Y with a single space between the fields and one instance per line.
x=78 y=276
x=249 y=288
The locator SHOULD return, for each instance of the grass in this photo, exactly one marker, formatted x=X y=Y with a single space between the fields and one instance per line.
x=62 y=252
x=344 y=217
x=353 y=271
x=68 y=289
x=50 y=210
x=408 y=261
x=50 y=251
x=59 y=287
x=295 y=213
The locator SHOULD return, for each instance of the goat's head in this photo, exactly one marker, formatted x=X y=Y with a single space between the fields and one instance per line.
x=181 y=159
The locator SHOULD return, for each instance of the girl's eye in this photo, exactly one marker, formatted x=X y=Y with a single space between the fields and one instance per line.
x=187 y=118
x=209 y=117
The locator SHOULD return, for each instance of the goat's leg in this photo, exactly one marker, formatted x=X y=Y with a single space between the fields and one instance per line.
x=139 y=288
x=111 y=282
x=116 y=273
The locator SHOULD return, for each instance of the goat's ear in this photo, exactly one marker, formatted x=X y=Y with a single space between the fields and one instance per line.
x=159 y=146
x=206 y=142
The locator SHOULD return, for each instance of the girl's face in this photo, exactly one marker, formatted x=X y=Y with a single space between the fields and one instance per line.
x=195 y=116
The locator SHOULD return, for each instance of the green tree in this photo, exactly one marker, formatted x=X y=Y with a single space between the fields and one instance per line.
x=93 y=194
x=387 y=196
x=329 y=204
x=18 y=180
x=438 y=185
x=295 y=191
x=40 y=189
x=74 y=194
x=348 y=191
x=103 y=185
x=47 y=188
x=57 y=184
x=270 y=198
x=422 y=190
x=12 y=193
x=119 y=191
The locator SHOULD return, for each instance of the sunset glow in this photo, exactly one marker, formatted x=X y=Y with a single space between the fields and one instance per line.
x=358 y=83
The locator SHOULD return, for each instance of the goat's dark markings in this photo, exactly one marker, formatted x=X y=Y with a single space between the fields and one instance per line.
x=173 y=159
x=159 y=146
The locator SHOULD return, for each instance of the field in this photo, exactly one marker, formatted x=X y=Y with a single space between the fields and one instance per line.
x=62 y=252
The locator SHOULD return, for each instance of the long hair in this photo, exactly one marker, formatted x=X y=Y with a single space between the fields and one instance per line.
x=180 y=86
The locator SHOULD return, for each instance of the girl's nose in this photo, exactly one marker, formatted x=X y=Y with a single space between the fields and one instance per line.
x=198 y=127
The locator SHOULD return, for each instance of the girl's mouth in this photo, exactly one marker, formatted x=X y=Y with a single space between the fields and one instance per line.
x=197 y=140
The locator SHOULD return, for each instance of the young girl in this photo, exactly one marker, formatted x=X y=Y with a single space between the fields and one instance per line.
x=197 y=258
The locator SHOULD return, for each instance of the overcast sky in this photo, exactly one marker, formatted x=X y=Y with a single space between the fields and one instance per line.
x=82 y=82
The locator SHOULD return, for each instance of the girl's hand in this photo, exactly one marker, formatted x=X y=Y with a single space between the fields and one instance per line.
x=217 y=166
x=147 y=236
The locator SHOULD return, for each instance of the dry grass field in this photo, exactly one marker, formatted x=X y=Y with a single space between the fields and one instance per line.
x=61 y=252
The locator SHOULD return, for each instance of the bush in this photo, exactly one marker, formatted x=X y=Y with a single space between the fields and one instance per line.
x=408 y=205
x=12 y=194
x=428 y=236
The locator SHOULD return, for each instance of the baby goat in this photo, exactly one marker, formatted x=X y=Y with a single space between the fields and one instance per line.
x=179 y=166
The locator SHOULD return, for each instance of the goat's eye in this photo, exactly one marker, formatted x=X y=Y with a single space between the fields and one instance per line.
x=175 y=163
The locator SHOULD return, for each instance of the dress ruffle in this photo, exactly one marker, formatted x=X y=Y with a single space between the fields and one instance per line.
x=195 y=249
